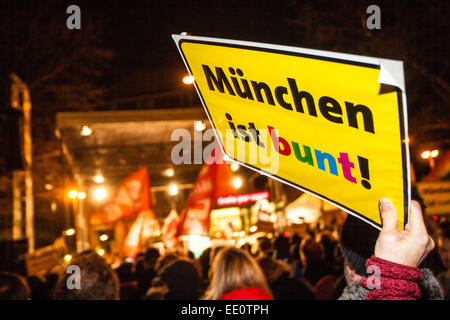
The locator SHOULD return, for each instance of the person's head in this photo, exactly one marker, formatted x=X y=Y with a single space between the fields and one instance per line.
x=357 y=244
x=97 y=280
x=13 y=287
x=164 y=260
x=295 y=239
x=125 y=272
x=38 y=287
x=182 y=280
x=234 y=269
x=247 y=247
x=151 y=255
x=310 y=251
x=265 y=246
x=273 y=269
x=205 y=262
x=444 y=247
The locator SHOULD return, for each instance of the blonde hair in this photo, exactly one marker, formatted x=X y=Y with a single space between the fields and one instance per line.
x=234 y=269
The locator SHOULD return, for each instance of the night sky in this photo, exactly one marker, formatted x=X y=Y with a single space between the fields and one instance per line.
x=141 y=30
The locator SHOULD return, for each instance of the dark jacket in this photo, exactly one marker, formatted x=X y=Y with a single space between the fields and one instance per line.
x=287 y=288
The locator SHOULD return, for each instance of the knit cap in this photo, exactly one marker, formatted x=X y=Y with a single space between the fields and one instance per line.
x=357 y=243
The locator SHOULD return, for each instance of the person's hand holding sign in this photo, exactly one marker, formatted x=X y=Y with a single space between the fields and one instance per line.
x=408 y=247
x=398 y=254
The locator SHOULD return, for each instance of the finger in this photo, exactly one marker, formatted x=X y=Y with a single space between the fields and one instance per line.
x=415 y=222
x=388 y=215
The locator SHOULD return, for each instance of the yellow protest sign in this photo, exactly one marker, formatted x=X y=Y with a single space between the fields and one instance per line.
x=330 y=124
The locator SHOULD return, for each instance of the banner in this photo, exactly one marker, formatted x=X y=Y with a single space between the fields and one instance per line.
x=170 y=227
x=436 y=196
x=330 y=124
x=143 y=228
x=131 y=197
x=214 y=180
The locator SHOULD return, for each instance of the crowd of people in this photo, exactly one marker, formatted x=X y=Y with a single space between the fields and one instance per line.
x=317 y=266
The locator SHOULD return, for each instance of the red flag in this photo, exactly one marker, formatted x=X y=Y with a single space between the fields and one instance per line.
x=169 y=230
x=131 y=197
x=143 y=228
x=214 y=180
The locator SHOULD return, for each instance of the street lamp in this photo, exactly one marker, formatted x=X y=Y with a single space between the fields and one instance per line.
x=430 y=155
x=86 y=131
x=169 y=172
x=188 y=80
x=98 y=178
x=200 y=125
x=234 y=166
x=237 y=182
x=69 y=232
x=99 y=193
x=173 y=189
x=73 y=194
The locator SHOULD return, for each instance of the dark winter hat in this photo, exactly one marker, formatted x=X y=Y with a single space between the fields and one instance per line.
x=151 y=255
x=182 y=279
x=357 y=242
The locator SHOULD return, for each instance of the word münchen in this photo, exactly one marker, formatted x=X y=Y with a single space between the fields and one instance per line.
x=328 y=107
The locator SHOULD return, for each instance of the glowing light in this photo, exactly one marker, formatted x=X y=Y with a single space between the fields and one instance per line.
x=169 y=172
x=242 y=234
x=101 y=252
x=81 y=195
x=434 y=153
x=67 y=258
x=48 y=186
x=234 y=166
x=235 y=234
x=188 y=80
x=237 y=183
x=86 y=131
x=200 y=126
x=99 y=193
x=407 y=140
x=425 y=154
x=273 y=217
x=73 y=194
x=98 y=178
x=173 y=189
x=253 y=228
x=69 y=232
x=103 y=237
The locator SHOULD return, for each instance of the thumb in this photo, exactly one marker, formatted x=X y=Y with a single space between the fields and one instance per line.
x=416 y=222
x=388 y=215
